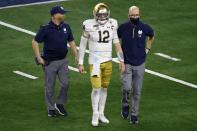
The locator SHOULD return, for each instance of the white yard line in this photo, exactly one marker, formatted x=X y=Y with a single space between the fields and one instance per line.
x=73 y=69
x=114 y=59
x=167 y=57
x=25 y=75
x=171 y=78
x=17 y=28
x=36 y=3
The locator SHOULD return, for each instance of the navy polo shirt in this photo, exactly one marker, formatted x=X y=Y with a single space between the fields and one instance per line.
x=134 y=41
x=55 y=40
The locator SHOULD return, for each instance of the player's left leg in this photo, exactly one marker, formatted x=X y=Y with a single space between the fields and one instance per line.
x=106 y=76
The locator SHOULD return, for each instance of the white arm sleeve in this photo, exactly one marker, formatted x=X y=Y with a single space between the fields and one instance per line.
x=115 y=33
x=115 y=39
x=82 y=48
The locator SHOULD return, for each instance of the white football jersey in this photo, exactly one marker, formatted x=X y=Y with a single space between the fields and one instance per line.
x=100 y=39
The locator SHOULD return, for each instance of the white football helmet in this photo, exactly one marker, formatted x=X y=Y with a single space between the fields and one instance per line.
x=101 y=13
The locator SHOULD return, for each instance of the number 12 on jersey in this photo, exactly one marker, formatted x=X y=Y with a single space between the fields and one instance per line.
x=103 y=36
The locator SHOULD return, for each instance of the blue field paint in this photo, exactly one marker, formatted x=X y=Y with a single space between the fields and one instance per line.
x=4 y=3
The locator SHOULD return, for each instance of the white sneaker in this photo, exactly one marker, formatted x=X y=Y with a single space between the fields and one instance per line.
x=103 y=119
x=95 y=119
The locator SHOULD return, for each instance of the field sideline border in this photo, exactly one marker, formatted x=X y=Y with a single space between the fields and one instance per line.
x=30 y=4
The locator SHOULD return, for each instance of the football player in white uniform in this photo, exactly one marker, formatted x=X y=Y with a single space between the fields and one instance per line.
x=99 y=33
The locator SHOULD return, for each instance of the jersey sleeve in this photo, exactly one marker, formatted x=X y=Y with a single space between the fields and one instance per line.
x=86 y=28
x=115 y=34
x=40 y=35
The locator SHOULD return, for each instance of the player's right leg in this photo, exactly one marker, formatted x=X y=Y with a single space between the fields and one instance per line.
x=95 y=95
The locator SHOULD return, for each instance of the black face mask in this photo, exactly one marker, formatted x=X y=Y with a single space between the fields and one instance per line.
x=134 y=20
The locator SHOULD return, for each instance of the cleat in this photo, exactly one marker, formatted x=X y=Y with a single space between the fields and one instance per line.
x=60 y=109
x=134 y=119
x=95 y=119
x=103 y=119
x=51 y=113
x=125 y=112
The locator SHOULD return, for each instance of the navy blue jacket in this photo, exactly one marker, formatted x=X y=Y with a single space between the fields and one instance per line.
x=133 y=39
x=55 y=40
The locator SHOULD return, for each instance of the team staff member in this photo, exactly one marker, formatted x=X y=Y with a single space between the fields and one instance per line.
x=55 y=36
x=133 y=34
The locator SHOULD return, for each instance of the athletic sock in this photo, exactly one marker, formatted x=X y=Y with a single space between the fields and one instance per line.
x=102 y=100
x=95 y=95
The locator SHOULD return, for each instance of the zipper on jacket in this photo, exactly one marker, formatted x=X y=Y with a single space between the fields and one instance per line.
x=133 y=32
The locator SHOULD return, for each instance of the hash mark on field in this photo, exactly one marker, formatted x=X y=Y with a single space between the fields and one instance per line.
x=35 y=3
x=114 y=60
x=167 y=57
x=25 y=75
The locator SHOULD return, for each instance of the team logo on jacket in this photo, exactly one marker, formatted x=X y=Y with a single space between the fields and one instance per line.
x=140 y=33
x=65 y=31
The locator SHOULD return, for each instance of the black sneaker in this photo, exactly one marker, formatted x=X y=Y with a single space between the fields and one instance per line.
x=125 y=112
x=51 y=113
x=133 y=119
x=60 y=109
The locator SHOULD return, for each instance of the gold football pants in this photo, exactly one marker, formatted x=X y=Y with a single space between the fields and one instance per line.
x=105 y=75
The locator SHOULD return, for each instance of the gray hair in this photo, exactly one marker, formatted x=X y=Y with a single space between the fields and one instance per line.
x=133 y=8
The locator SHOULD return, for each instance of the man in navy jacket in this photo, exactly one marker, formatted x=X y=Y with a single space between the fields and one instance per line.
x=137 y=39
x=55 y=35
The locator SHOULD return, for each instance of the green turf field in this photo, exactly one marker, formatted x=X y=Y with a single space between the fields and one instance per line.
x=165 y=105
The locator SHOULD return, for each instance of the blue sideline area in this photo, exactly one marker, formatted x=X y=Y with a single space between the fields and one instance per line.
x=4 y=3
